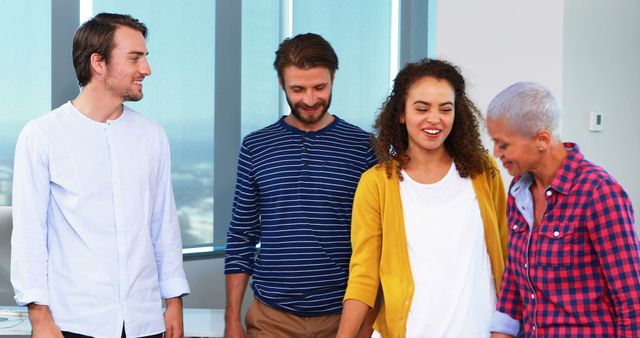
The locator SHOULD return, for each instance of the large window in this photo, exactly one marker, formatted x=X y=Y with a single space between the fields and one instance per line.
x=179 y=94
x=185 y=93
x=25 y=83
x=361 y=38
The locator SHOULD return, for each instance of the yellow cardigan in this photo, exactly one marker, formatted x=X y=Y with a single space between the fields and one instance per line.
x=380 y=254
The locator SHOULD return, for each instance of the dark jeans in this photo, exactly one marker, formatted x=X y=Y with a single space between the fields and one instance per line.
x=75 y=335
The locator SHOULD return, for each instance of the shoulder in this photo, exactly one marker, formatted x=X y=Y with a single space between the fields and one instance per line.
x=597 y=180
x=263 y=134
x=46 y=124
x=378 y=175
x=141 y=120
x=342 y=126
x=491 y=173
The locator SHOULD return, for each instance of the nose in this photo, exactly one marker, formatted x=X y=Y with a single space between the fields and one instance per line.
x=145 y=68
x=432 y=116
x=310 y=98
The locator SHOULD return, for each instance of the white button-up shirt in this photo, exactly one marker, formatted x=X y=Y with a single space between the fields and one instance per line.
x=95 y=230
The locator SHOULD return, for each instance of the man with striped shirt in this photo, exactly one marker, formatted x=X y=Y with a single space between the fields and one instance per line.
x=295 y=187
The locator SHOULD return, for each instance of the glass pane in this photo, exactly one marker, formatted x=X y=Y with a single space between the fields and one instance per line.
x=25 y=83
x=260 y=39
x=359 y=31
x=179 y=94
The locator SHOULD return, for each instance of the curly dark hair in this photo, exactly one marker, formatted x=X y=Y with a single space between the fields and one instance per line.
x=463 y=144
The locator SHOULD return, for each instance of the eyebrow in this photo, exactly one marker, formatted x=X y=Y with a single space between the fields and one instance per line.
x=427 y=103
x=138 y=53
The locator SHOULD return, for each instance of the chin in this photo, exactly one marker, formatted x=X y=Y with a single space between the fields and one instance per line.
x=133 y=98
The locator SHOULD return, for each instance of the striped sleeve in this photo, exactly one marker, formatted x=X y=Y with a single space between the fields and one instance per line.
x=244 y=230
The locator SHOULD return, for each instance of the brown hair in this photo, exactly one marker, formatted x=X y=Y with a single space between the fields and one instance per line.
x=96 y=36
x=305 y=51
x=463 y=143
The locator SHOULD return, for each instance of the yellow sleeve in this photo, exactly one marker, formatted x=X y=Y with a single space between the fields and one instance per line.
x=366 y=241
x=499 y=196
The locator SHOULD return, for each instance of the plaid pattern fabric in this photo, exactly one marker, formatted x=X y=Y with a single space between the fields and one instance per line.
x=576 y=274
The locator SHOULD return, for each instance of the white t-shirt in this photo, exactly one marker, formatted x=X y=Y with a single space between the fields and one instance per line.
x=454 y=288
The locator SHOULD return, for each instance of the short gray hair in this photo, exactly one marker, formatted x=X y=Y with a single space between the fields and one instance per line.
x=527 y=107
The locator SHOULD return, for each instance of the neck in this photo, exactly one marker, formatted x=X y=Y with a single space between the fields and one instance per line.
x=98 y=105
x=428 y=166
x=298 y=124
x=549 y=164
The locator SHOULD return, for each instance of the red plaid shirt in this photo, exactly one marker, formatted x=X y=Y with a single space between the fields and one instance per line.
x=577 y=274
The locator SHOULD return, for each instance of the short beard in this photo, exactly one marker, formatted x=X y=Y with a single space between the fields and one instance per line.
x=131 y=98
x=310 y=120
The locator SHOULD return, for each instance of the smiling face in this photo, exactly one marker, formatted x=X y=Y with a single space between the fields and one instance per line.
x=428 y=115
x=128 y=65
x=308 y=93
x=518 y=153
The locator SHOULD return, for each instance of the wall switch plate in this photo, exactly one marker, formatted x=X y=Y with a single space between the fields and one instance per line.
x=595 y=121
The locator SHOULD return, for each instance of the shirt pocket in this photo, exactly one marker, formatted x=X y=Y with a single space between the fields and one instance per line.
x=518 y=236
x=555 y=244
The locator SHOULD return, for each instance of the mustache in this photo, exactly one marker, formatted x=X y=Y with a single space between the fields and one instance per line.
x=319 y=104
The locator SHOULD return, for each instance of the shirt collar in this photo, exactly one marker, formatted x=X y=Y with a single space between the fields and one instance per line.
x=562 y=181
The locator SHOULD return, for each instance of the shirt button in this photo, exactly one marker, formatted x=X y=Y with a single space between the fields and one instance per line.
x=548 y=192
x=533 y=296
x=526 y=265
x=533 y=327
x=556 y=233
x=515 y=227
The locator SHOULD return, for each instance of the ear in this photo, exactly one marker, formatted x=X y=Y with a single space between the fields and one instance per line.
x=98 y=64
x=543 y=138
x=281 y=82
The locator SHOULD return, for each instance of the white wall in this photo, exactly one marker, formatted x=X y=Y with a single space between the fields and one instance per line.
x=585 y=51
x=206 y=280
x=499 y=42
x=602 y=73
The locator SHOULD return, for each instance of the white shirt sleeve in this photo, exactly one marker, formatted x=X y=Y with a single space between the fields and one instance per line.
x=31 y=190
x=165 y=232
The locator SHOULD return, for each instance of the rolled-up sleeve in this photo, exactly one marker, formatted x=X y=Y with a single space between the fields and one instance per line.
x=165 y=231
x=29 y=258
x=244 y=230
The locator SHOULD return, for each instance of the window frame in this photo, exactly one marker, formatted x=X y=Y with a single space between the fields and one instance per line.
x=414 y=39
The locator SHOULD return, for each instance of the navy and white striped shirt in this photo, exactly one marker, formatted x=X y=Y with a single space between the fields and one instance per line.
x=293 y=196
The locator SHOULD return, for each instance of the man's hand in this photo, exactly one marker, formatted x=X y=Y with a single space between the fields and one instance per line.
x=173 y=318
x=233 y=329
x=42 y=324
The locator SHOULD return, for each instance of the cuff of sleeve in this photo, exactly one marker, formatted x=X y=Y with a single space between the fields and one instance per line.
x=503 y=323
x=38 y=296
x=176 y=287
x=368 y=298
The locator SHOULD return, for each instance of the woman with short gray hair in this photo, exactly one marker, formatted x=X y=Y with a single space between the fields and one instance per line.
x=573 y=267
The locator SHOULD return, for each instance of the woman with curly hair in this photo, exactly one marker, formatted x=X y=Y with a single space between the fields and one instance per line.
x=428 y=230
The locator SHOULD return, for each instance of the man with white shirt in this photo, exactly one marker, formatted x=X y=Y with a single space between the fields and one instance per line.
x=96 y=243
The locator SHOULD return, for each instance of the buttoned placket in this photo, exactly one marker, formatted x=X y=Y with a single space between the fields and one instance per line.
x=118 y=217
x=306 y=145
x=548 y=195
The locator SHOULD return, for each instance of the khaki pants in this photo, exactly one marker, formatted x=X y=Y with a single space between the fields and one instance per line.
x=265 y=321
